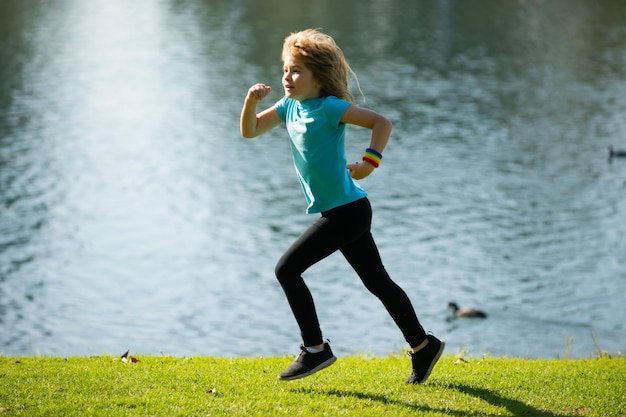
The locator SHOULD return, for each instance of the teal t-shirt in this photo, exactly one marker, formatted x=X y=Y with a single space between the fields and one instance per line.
x=317 y=139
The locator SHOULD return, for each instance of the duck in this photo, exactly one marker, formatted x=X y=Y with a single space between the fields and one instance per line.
x=466 y=311
x=616 y=153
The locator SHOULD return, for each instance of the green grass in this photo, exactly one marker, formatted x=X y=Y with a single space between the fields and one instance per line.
x=354 y=386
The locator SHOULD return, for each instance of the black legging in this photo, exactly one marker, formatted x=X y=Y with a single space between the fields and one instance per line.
x=345 y=228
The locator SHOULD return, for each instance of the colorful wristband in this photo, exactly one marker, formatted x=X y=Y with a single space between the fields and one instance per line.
x=372 y=156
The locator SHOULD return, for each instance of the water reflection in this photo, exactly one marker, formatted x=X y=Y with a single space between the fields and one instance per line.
x=133 y=215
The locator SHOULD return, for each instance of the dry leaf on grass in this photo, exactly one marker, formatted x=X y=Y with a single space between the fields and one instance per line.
x=128 y=359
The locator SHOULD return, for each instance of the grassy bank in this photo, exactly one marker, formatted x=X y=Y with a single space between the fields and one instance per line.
x=354 y=386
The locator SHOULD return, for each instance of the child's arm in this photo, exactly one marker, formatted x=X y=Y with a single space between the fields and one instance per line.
x=252 y=124
x=381 y=129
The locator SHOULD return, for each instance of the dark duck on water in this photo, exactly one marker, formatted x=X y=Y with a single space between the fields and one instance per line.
x=466 y=311
x=616 y=153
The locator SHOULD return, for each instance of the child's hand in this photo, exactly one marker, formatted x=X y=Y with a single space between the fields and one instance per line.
x=360 y=170
x=259 y=91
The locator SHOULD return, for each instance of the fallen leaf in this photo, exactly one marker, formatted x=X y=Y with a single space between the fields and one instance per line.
x=126 y=359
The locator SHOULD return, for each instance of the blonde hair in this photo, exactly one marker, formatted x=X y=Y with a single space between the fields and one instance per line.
x=324 y=58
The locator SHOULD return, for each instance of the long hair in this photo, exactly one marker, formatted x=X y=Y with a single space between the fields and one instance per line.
x=324 y=58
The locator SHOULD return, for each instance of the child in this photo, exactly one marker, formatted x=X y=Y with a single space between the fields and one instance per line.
x=316 y=108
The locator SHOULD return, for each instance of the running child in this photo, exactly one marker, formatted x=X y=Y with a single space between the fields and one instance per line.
x=316 y=108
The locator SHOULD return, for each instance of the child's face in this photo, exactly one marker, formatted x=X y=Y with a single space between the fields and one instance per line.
x=298 y=81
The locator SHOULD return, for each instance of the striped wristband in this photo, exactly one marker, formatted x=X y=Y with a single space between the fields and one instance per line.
x=372 y=156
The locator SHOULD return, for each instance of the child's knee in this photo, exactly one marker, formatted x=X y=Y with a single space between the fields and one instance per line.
x=281 y=270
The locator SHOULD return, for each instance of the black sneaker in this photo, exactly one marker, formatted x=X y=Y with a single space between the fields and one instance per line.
x=308 y=363
x=425 y=359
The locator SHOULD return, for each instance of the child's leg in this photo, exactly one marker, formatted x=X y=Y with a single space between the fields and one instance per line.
x=427 y=349
x=333 y=230
x=365 y=259
x=363 y=256
x=315 y=244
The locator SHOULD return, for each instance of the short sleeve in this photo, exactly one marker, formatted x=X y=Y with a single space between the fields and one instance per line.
x=335 y=108
x=281 y=109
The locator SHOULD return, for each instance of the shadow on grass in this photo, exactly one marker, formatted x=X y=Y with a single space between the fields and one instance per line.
x=515 y=407
x=374 y=397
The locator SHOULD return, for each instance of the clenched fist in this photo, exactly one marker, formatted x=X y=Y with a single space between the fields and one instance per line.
x=259 y=91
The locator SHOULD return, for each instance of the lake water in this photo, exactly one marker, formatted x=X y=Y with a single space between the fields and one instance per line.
x=133 y=216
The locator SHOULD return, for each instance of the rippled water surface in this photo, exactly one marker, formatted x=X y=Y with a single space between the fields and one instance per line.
x=133 y=216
